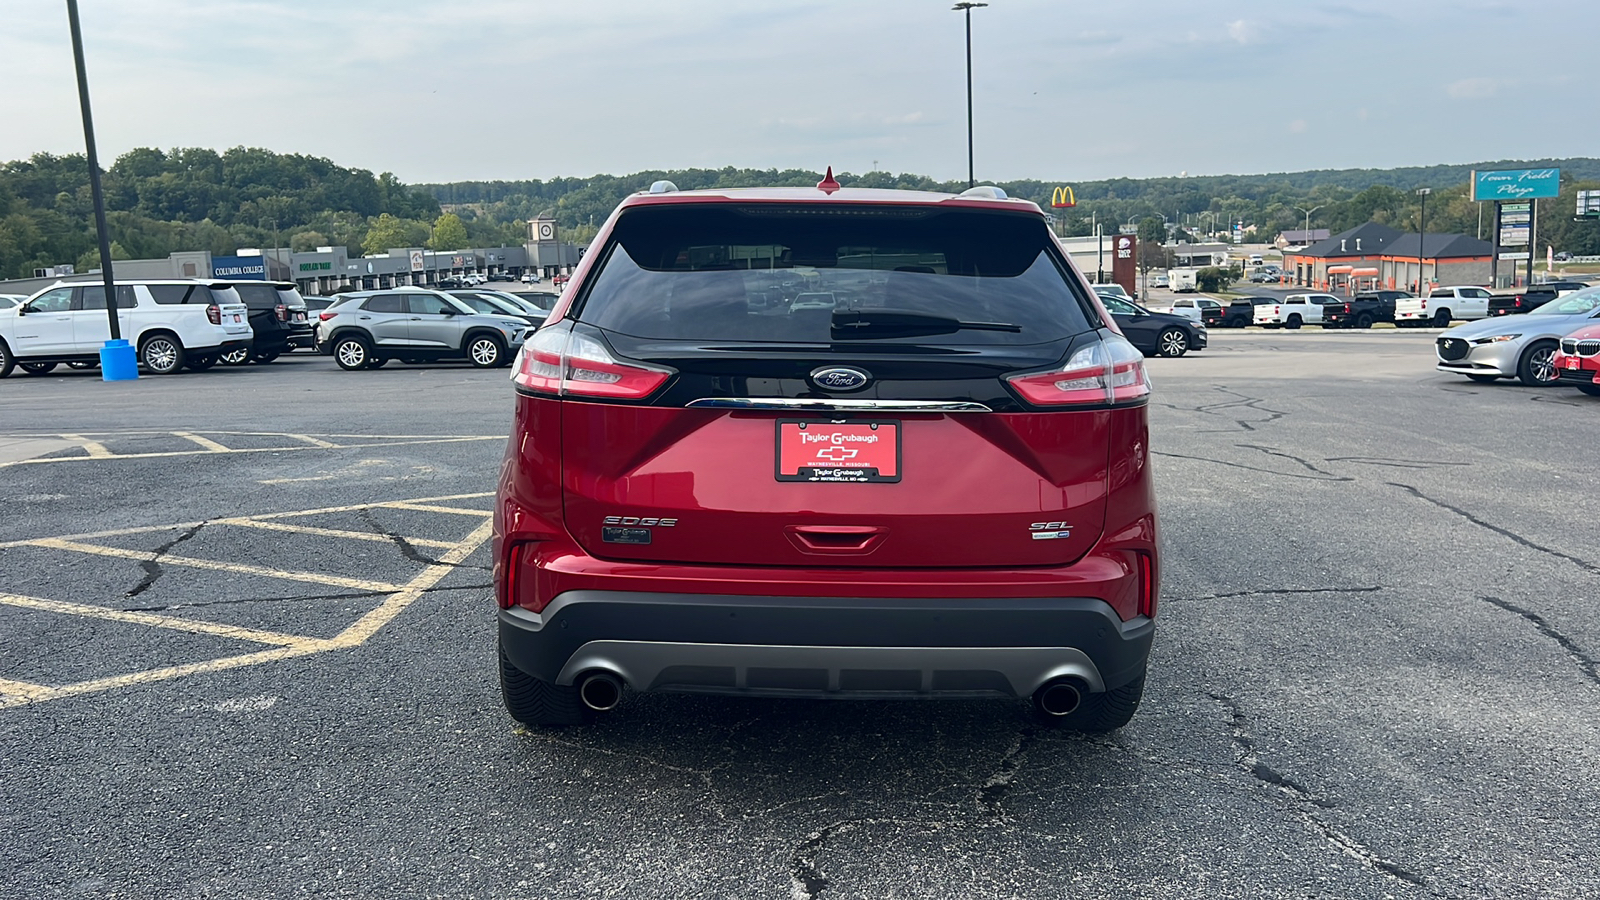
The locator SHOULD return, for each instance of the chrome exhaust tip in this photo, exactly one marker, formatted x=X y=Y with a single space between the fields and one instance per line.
x=1060 y=697
x=600 y=691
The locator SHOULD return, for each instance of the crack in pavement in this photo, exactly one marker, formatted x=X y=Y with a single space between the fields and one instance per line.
x=1395 y=463
x=1272 y=451
x=1305 y=801
x=1223 y=462
x=1589 y=665
x=1368 y=589
x=1504 y=532
x=152 y=567
x=993 y=790
x=406 y=549
x=806 y=878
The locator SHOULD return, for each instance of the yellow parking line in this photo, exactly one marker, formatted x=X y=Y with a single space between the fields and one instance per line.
x=247 y=522
x=95 y=449
x=16 y=693
x=107 y=454
x=360 y=584
x=205 y=442
x=162 y=674
x=357 y=506
x=315 y=442
x=424 y=507
x=115 y=532
x=368 y=624
x=193 y=626
x=21 y=692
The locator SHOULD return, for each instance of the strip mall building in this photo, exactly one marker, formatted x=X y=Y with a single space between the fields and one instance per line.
x=1373 y=255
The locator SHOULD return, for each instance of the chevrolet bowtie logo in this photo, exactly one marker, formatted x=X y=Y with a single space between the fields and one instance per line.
x=836 y=454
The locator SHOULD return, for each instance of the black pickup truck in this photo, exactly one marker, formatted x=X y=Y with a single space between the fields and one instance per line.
x=1531 y=298
x=1237 y=314
x=1362 y=310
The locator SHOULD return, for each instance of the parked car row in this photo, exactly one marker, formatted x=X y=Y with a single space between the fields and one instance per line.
x=1556 y=343
x=178 y=324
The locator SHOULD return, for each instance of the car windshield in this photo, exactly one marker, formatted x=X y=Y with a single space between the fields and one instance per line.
x=1575 y=304
x=802 y=274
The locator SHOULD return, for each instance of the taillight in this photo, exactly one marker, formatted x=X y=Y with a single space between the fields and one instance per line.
x=325 y=316
x=1347 y=307
x=565 y=363
x=1424 y=303
x=1108 y=371
x=1147 y=585
x=214 y=314
x=283 y=312
x=517 y=584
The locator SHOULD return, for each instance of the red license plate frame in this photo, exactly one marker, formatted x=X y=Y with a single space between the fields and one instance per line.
x=848 y=451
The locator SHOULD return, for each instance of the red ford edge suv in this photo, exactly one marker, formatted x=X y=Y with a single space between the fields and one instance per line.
x=827 y=443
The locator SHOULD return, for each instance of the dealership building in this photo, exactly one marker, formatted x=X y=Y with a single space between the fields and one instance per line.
x=328 y=270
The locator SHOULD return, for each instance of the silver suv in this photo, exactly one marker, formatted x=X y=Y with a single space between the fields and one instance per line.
x=366 y=329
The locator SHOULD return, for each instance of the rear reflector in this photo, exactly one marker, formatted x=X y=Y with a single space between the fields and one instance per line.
x=1147 y=586
x=565 y=363
x=1108 y=371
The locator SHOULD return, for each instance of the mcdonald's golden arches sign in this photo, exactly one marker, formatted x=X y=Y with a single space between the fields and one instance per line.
x=1062 y=197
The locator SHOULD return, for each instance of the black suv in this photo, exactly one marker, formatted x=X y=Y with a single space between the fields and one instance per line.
x=278 y=318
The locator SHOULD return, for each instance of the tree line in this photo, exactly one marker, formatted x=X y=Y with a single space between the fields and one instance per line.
x=198 y=199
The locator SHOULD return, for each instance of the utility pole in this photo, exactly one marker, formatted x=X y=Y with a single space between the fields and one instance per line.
x=967 y=7
x=1422 y=236
x=117 y=361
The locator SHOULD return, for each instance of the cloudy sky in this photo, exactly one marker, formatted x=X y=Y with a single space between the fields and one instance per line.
x=1064 y=91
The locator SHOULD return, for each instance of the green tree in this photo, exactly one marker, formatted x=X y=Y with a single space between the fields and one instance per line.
x=386 y=232
x=306 y=241
x=448 y=233
x=90 y=261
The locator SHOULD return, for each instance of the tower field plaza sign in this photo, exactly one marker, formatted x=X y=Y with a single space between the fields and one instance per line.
x=1516 y=184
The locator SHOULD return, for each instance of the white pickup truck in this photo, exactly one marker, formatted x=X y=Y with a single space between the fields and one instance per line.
x=1189 y=307
x=1464 y=303
x=1294 y=310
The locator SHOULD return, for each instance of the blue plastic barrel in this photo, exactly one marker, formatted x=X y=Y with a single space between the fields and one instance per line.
x=118 y=362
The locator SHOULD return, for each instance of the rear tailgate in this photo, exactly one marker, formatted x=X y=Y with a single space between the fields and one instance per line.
x=828 y=393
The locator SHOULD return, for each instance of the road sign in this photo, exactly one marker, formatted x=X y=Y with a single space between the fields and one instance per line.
x=1589 y=203
x=1516 y=255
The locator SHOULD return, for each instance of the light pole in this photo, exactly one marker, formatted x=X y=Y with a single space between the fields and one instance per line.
x=965 y=7
x=117 y=361
x=1422 y=234
x=1307 y=236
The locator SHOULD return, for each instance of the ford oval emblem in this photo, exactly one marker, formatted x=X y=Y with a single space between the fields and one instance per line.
x=839 y=378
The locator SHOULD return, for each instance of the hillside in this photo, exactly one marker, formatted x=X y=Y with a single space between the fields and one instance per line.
x=198 y=199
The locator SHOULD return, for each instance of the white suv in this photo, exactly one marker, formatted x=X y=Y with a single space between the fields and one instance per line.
x=172 y=324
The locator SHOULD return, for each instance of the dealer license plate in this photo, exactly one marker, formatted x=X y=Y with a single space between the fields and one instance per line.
x=848 y=451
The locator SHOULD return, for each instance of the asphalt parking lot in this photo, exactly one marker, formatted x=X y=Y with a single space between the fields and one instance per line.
x=246 y=650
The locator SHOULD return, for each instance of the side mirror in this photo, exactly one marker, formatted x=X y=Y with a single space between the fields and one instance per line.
x=24 y=309
x=448 y=311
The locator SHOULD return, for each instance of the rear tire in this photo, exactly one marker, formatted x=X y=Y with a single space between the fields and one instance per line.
x=7 y=361
x=40 y=368
x=1293 y=323
x=1592 y=390
x=1441 y=319
x=162 y=354
x=378 y=363
x=352 y=353
x=1537 y=367
x=265 y=356
x=1363 y=321
x=1105 y=711
x=201 y=362
x=235 y=357
x=539 y=703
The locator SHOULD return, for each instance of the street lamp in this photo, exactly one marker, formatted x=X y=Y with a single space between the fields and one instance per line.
x=1422 y=234
x=1308 y=213
x=117 y=360
x=965 y=7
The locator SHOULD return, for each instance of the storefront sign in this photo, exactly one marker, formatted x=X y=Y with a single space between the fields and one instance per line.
x=1516 y=184
x=243 y=268
x=1516 y=255
x=316 y=267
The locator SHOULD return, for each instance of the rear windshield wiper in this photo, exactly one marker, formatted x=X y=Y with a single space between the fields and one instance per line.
x=874 y=324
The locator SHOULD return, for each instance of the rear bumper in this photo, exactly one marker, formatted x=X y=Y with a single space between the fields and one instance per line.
x=827 y=646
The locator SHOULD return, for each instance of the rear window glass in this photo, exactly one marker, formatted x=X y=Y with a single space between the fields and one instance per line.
x=801 y=275
x=268 y=296
x=1444 y=293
